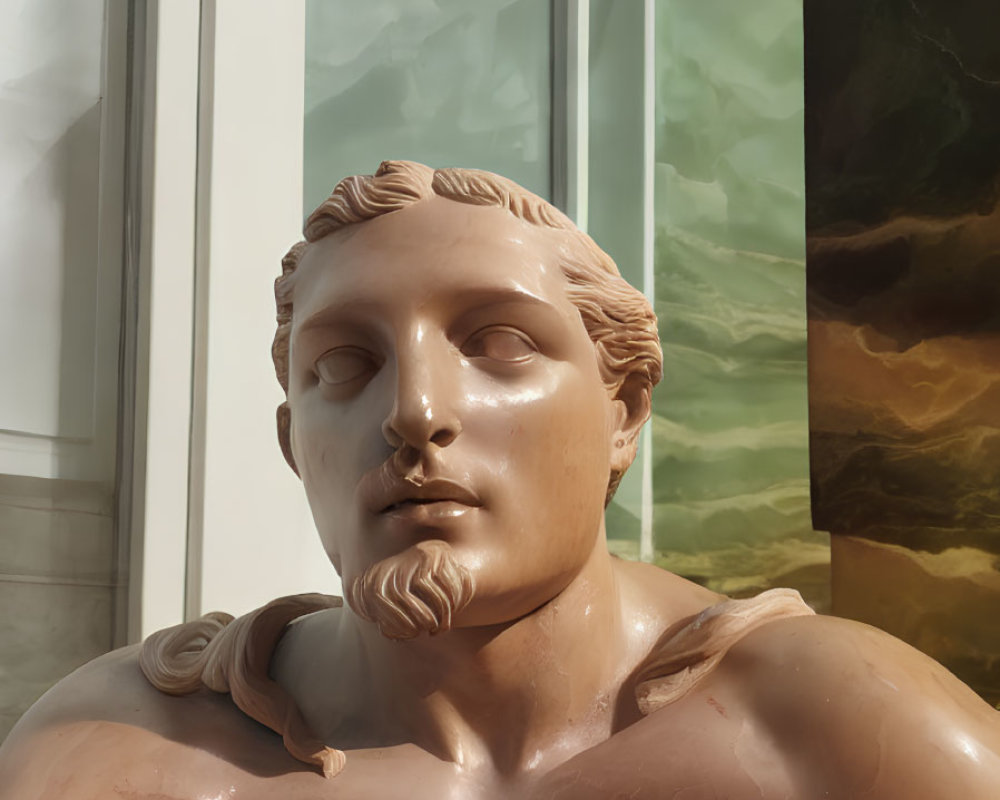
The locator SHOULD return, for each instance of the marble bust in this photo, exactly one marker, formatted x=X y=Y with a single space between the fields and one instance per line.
x=466 y=375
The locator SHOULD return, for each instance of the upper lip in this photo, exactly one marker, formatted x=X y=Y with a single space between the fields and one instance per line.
x=431 y=490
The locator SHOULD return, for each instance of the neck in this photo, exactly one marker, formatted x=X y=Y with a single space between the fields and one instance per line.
x=510 y=697
x=507 y=694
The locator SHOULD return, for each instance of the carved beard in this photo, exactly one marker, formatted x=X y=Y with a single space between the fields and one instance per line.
x=417 y=591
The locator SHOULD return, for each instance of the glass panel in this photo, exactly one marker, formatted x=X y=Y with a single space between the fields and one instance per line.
x=614 y=201
x=730 y=431
x=448 y=83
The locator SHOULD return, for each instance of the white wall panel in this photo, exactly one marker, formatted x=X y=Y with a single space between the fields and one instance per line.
x=59 y=240
x=251 y=535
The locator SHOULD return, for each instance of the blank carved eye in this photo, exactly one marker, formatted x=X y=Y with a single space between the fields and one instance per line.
x=499 y=344
x=343 y=365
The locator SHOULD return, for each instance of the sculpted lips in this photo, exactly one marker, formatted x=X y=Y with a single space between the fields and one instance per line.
x=401 y=496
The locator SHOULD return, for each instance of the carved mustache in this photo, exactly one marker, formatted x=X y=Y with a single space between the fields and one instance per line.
x=395 y=482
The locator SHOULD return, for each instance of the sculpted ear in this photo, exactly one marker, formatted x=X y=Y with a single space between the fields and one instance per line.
x=633 y=405
x=285 y=435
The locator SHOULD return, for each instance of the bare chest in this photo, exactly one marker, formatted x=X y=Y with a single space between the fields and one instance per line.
x=698 y=750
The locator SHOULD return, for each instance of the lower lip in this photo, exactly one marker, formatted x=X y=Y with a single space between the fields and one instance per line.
x=429 y=513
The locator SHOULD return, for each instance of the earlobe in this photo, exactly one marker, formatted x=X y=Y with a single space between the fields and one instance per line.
x=284 y=418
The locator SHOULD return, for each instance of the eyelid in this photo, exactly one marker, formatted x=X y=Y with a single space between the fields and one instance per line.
x=480 y=335
x=355 y=362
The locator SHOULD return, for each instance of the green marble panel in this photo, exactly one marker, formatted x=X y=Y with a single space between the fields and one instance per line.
x=730 y=428
x=447 y=83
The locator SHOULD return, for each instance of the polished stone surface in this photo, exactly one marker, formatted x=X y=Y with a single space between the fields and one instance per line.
x=730 y=434
x=902 y=125
x=945 y=596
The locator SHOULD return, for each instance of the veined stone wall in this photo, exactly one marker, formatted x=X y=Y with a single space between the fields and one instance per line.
x=902 y=126
x=730 y=430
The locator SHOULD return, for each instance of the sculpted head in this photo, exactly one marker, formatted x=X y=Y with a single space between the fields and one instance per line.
x=467 y=374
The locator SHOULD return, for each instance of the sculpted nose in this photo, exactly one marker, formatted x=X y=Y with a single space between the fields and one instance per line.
x=424 y=407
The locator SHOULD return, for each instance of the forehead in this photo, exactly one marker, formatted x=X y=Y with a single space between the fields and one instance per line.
x=435 y=249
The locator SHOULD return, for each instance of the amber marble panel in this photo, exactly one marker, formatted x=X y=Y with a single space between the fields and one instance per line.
x=903 y=270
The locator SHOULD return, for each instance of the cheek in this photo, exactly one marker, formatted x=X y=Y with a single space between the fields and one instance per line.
x=332 y=453
x=555 y=446
x=329 y=441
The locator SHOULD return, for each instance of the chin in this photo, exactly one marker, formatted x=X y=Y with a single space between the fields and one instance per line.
x=499 y=603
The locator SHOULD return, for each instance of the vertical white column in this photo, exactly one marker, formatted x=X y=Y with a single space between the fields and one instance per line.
x=163 y=368
x=646 y=552
x=250 y=534
x=578 y=111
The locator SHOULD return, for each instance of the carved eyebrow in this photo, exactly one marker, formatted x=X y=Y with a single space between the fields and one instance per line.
x=476 y=299
x=338 y=313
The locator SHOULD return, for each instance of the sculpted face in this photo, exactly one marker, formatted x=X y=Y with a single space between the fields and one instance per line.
x=444 y=393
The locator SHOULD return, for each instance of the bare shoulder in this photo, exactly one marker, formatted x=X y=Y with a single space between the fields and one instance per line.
x=869 y=711
x=104 y=731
